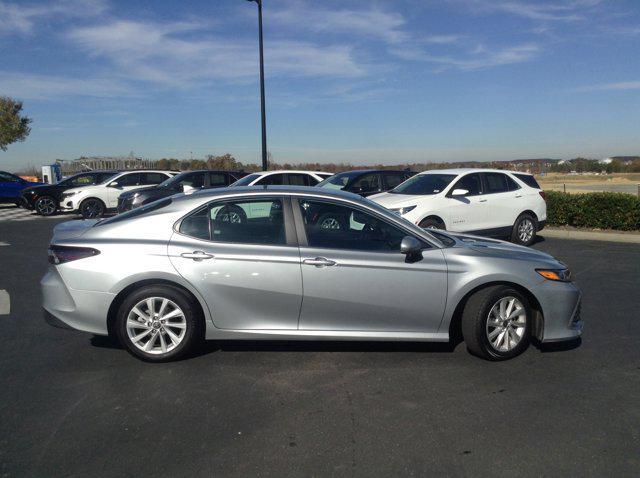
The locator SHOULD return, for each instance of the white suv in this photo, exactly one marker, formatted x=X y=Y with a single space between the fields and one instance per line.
x=481 y=201
x=292 y=178
x=93 y=201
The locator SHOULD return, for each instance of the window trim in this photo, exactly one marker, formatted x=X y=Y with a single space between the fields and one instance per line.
x=301 y=231
x=289 y=228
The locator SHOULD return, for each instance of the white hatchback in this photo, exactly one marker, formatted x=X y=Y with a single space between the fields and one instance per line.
x=94 y=200
x=480 y=201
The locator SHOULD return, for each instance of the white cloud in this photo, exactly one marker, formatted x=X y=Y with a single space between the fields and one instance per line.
x=367 y=21
x=168 y=53
x=479 y=58
x=619 y=86
x=44 y=87
x=22 y=18
x=564 y=11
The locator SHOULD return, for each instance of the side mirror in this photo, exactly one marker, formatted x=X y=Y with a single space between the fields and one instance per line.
x=187 y=189
x=114 y=184
x=459 y=192
x=412 y=248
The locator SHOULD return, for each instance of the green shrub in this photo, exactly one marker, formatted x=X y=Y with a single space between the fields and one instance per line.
x=594 y=210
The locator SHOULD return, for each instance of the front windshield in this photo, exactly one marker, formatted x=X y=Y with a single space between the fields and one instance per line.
x=172 y=181
x=246 y=180
x=337 y=181
x=424 y=184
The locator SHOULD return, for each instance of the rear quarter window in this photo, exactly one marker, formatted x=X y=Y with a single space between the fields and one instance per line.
x=529 y=180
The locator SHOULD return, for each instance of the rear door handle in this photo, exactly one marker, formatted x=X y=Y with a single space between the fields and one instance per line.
x=482 y=200
x=319 y=262
x=196 y=255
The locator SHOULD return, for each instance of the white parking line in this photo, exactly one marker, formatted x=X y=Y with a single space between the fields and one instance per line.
x=5 y=302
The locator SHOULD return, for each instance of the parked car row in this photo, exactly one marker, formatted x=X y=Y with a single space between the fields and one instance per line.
x=485 y=202
x=230 y=263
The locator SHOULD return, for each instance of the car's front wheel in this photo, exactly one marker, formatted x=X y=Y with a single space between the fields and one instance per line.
x=92 y=208
x=159 y=323
x=46 y=206
x=496 y=323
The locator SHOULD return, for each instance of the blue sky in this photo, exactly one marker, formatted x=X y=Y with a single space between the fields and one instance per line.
x=357 y=81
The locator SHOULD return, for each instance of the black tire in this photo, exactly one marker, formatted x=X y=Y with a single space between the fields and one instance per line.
x=474 y=323
x=92 y=208
x=524 y=230
x=194 y=331
x=46 y=206
x=432 y=223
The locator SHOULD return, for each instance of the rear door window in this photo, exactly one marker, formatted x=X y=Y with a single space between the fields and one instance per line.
x=271 y=180
x=258 y=221
x=152 y=178
x=391 y=180
x=217 y=180
x=495 y=183
x=295 y=179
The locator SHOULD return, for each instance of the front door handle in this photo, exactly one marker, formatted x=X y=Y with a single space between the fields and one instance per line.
x=196 y=255
x=319 y=262
x=482 y=200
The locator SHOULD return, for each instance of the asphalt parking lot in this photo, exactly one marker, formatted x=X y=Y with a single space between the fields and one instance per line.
x=75 y=405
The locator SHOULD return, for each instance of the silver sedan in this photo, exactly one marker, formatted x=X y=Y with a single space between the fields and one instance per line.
x=298 y=264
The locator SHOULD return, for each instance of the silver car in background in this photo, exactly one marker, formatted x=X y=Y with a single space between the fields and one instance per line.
x=299 y=264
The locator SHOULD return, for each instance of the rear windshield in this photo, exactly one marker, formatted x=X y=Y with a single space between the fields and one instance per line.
x=528 y=180
x=246 y=180
x=141 y=211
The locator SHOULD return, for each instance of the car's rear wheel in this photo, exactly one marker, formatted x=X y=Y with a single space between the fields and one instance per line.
x=524 y=230
x=92 y=208
x=432 y=223
x=159 y=323
x=496 y=323
x=46 y=206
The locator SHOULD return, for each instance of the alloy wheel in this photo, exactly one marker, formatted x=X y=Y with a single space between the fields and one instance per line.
x=506 y=324
x=46 y=206
x=156 y=325
x=525 y=230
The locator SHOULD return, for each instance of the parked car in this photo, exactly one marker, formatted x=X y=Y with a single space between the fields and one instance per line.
x=11 y=186
x=231 y=263
x=187 y=181
x=366 y=182
x=486 y=202
x=93 y=201
x=44 y=199
x=276 y=178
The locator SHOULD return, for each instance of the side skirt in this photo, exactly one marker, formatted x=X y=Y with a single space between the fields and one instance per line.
x=227 y=334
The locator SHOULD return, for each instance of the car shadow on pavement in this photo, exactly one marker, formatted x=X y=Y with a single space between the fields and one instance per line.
x=211 y=346
x=563 y=346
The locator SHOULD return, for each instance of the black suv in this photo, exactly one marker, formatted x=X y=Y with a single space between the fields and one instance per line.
x=188 y=180
x=44 y=199
x=366 y=182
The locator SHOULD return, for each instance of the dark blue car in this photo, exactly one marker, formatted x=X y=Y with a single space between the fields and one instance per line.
x=11 y=186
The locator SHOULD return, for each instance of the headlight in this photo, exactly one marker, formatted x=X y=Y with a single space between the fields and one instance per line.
x=404 y=210
x=560 y=275
x=68 y=195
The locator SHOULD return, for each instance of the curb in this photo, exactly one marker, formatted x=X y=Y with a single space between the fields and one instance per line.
x=629 y=238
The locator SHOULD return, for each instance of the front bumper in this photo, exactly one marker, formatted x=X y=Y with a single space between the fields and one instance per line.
x=69 y=308
x=125 y=204
x=561 y=304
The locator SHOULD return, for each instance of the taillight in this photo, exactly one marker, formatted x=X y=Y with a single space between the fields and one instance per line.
x=62 y=254
x=543 y=196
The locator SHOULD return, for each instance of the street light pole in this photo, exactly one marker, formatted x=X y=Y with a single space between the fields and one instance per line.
x=262 y=106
